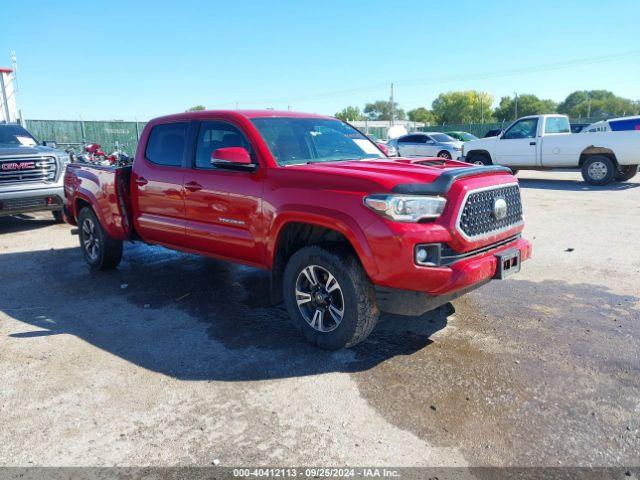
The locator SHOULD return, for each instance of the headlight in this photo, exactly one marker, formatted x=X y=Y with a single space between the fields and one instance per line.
x=64 y=159
x=406 y=208
x=457 y=149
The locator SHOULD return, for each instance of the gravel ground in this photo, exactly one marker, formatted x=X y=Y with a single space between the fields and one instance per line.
x=178 y=360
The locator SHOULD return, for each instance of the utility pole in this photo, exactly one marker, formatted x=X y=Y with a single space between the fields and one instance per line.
x=392 y=105
x=516 y=105
x=481 y=109
x=589 y=106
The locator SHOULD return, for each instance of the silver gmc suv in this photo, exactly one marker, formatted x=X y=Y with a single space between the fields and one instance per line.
x=31 y=174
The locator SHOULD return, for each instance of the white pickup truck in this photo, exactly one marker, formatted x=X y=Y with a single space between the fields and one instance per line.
x=541 y=142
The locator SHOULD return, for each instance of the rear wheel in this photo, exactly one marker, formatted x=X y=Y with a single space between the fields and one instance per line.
x=626 y=173
x=99 y=250
x=57 y=216
x=444 y=154
x=598 y=170
x=329 y=298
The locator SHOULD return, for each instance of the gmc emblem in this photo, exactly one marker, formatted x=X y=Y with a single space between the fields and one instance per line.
x=18 y=166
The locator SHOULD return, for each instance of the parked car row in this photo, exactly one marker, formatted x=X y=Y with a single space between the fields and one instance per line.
x=542 y=142
x=539 y=142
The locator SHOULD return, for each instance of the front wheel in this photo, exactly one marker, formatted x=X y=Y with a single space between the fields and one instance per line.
x=99 y=250
x=444 y=154
x=329 y=298
x=479 y=159
x=598 y=170
x=626 y=173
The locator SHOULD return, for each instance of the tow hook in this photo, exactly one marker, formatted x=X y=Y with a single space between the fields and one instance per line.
x=75 y=231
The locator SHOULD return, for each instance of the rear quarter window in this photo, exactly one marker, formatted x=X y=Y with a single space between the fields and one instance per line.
x=166 y=144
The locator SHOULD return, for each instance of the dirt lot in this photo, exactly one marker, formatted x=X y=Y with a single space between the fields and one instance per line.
x=178 y=360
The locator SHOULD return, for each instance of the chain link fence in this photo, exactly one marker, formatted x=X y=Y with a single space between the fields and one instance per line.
x=74 y=133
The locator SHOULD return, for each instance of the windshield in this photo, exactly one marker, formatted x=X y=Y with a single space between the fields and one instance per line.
x=311 y=140
x=467 y=137
x=15 y=136
x=441 y=137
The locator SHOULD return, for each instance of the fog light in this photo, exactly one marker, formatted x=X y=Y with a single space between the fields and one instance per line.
x=427 y=255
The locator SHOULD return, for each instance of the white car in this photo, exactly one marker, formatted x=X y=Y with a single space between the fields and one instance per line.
x=614 y=125
x=427 y=144
x=541 y=142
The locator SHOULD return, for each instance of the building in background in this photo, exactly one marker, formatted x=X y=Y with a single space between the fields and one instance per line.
x=8 y=109
x=381 y=128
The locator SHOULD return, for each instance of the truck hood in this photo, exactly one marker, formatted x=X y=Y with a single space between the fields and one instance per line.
x=479 y=143
x=380 y=174
x=24 y=150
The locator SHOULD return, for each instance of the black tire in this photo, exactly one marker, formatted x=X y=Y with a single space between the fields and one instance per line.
x=479 y=159
x=57 y=216
x=444 y=154
x=99 y=250
x=626 y=173
x=360 y=311
x=598 y=170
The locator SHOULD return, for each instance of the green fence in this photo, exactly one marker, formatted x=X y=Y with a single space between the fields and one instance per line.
x=72 y=133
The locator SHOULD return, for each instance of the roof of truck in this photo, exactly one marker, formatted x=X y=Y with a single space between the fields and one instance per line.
x=242 y=113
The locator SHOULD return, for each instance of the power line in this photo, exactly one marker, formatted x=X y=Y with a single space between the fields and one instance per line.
x=460 y=78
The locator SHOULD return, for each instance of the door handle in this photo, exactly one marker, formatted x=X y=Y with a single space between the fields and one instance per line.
x=193 y=186
x=532 y=143
x=141 y=181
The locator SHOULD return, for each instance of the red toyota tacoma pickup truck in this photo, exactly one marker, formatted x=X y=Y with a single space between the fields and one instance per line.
x=345 y=231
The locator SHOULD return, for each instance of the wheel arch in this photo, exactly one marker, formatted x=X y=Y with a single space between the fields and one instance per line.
x=295 y=230
x=593 y=150
x=472 y=153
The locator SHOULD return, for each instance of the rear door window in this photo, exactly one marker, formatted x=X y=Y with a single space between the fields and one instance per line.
x=556 y=125
x=166 y=144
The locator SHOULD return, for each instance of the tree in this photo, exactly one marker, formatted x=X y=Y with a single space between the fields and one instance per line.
x=421 y=114
x=381 y=110
x=463 y=107
x=197 y=108
x=350 y=114
x=527 y=105
x=597 y=103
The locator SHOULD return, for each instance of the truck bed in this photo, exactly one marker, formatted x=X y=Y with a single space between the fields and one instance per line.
x=108 y=188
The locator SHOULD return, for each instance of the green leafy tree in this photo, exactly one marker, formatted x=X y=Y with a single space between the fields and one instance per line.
x=597 y=103
x=527 y=105
x=197 y=108
x=463 y=107
x=350 y=114
x=381 y=110
x=421 y=114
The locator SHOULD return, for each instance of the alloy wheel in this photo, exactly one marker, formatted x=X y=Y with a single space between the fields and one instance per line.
x=90 y=240
x=319 y=298
x=597 y=170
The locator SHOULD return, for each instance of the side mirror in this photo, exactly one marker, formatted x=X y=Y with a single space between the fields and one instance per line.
x=232 y=158
x=50 y=143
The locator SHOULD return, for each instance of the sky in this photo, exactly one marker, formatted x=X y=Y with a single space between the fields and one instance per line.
x=117 y=59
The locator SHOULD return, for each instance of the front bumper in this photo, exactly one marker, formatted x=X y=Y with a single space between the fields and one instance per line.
x=450 y=282
x=32 y=200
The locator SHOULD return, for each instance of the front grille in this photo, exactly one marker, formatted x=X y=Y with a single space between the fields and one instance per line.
x=27 y=169
x=26 y=203
x=477 y=217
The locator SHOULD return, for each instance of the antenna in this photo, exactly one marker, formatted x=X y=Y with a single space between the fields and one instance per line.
x=14 y=67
